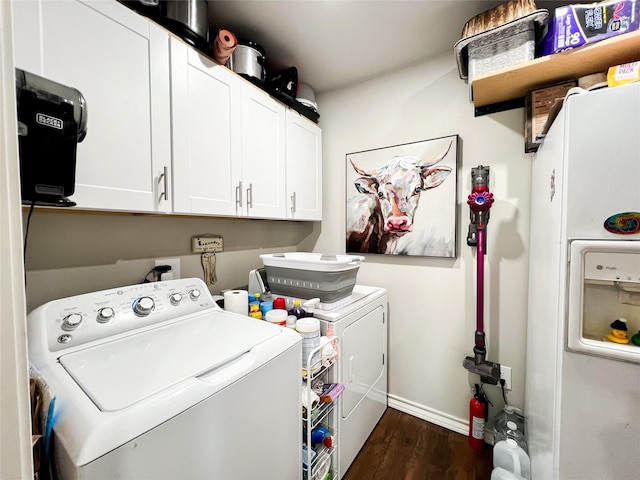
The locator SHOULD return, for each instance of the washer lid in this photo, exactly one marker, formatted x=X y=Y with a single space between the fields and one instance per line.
x=117 y=374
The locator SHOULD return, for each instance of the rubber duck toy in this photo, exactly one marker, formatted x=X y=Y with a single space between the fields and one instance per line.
x=618 y=333
x=636 y=339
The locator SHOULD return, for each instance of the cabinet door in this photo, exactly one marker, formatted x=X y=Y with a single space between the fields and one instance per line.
x=263 y=153
x=119 y=61
x=205 y=99
x=304 y=168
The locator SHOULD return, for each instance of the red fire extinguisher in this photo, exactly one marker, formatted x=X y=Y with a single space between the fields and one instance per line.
x=477 y=418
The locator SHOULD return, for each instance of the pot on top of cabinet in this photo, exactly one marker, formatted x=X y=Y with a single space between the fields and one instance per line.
x=188 y=19
x=248 y=60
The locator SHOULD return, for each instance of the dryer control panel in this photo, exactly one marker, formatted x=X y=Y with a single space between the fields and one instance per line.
x=96 y=316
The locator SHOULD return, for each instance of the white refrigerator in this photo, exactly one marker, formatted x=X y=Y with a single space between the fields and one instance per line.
x=582 y=397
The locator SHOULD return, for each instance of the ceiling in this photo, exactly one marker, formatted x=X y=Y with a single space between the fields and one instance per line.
x=334 y=43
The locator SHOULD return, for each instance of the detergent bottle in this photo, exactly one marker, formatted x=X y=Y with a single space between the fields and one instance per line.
x=507 y=454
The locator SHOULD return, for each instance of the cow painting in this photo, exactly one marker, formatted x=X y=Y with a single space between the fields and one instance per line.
x=382 y=214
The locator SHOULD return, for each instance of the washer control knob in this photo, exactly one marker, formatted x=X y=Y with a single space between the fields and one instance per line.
x=143 y=306
x=71 y=322
x=194 y=294
x=105 y=314
x=175 y=298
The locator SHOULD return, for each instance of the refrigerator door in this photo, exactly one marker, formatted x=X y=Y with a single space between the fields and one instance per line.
x=602 y=159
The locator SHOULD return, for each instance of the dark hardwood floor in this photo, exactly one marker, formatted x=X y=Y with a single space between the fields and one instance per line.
x=403 y=447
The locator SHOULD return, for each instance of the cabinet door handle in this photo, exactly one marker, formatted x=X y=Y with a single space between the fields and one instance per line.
x=250 y=196
x=239 y=194
x=293 y=203
x=165 y=175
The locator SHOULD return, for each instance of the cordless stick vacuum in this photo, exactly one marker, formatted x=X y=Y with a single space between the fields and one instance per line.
x=479 y=202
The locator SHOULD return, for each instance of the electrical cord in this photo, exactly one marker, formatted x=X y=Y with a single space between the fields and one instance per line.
x=24 y=245
x=504 y=394
x=157 y=271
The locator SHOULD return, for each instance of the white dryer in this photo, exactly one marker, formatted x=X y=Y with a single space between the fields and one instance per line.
x=362 y=367
x=155 y=381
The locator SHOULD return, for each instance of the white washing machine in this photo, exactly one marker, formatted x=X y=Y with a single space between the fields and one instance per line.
x=362 y=367
x=155 y=381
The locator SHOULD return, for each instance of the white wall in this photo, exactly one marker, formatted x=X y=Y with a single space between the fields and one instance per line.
x=69 y=253
x=432 y=301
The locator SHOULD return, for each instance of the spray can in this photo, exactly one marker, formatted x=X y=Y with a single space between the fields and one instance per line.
x=477 y=419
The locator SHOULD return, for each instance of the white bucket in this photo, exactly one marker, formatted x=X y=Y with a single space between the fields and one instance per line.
x=507 y=454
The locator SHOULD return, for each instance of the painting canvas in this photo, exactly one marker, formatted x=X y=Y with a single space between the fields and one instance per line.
x=401 y=200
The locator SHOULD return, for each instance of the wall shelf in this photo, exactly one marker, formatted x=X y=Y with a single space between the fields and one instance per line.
x=514 y=82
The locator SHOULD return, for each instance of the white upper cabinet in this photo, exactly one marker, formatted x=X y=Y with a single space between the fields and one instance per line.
x=228 y=141
x=119 y=61
x=263 y=154
x=205 y=99
x=169 y=130
x=304 y=168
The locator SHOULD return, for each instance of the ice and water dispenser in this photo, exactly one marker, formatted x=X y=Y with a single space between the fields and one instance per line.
x=604 y=299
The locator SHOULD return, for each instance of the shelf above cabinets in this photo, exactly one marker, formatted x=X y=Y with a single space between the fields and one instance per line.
x=514 y=82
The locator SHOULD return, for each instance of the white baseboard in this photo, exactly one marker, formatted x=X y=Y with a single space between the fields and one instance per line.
x=433 y=416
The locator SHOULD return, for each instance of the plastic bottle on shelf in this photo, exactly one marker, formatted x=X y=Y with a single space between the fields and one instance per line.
x=322 y=434
x=308 y=454
x=278 y=317
x=265 y=307
x=297 y=310
x=279 y=303
x=309 y=329
x=254 y=310
x=309 y=306
x=507 y=454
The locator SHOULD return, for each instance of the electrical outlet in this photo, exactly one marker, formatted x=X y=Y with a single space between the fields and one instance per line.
x=505 y=374
x=175 y=266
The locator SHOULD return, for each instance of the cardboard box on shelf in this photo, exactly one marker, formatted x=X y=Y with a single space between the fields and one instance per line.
x=572 y=26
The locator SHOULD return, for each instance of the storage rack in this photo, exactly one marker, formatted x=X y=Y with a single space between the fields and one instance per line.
x=324 y=413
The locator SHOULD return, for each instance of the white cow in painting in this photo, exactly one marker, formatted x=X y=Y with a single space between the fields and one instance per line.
x=385 y=208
